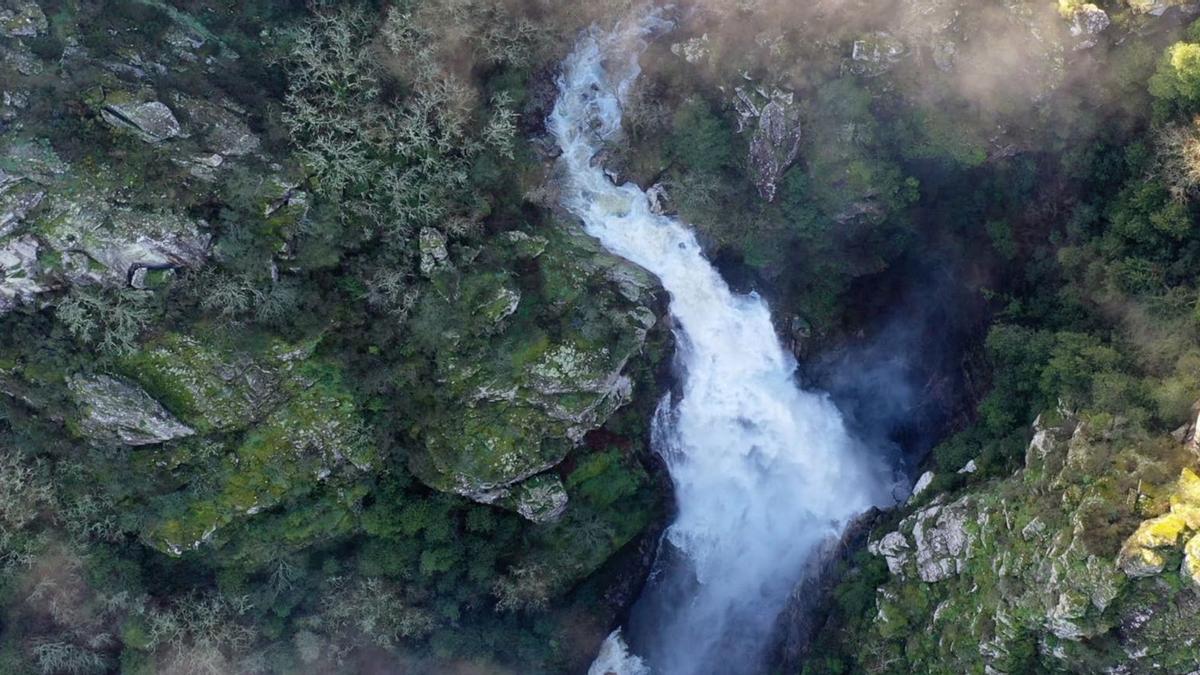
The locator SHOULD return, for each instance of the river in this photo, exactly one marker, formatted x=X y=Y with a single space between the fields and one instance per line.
x=763 y=470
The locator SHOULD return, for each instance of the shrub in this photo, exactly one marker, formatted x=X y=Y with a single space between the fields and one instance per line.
x=110 y=320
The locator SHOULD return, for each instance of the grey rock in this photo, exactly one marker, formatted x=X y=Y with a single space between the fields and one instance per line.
x=693 y=50
x=17 y=199
x=21 y=59
x=541 y=499
x=22 y=18
x=895 y=549
x=221 y=129
x=921 y=485
x=114 y=410
x=151 y=121
x=658 y=198
x=432 y=244
x=774 y=146
x=1087 y=22
x=875 y=54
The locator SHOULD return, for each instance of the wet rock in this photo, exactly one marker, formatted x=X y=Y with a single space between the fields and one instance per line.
x=117 y=411
x=658 y=198
x=151 y=121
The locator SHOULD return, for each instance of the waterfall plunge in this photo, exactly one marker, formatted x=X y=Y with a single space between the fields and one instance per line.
x=763 y=471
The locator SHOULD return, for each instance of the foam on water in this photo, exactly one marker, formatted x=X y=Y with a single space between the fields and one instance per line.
x=763 y=470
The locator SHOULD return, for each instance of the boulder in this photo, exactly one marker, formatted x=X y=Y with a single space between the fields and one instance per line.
x=875 y=54
x=1154 y=7
x=541 y=499
x=775 y=145
x=279 y=421
x=921 y=485
x=941 y=540
x=17 y=199
x=432 y=244
x=1087 y=22
x=1142 y=553
x=693 y=50
x=774 y=118
x=114 y=410
x=895 y=549
x=22 y=18
x=524 y=386
x=220 y=127
x=103 y=244
x=1190 y=570
x=19 y=272
x=152 y=121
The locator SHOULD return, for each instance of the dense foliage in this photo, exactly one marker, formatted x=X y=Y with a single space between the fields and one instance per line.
x=300 y=372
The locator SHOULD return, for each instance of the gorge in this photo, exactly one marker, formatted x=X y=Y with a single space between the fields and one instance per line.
x=763 y=470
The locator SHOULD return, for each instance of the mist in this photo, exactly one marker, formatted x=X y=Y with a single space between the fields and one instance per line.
x=763 y=471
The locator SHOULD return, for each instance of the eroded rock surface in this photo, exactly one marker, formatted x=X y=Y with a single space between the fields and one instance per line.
x=1032 y=561
x=530 y=395
x=113 y=410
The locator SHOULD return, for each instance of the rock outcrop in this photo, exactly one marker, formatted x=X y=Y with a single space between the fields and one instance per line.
x=530 y=394
x=1145 y=552
x=278 y=423
x=1024 y=573
x=151 y=121
x=22 y=18
x=1087 y=22
x=115 y=411
x=773 y=119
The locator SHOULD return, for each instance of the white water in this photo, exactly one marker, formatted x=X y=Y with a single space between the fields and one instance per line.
x=763 y=471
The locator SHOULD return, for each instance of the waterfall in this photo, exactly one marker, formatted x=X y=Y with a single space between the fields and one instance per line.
x=763 y=470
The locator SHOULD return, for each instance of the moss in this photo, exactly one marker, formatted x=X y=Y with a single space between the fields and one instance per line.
x=301 y=427
x=536 y=381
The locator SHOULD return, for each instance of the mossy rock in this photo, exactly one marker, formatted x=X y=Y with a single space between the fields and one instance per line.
x=284 y=419
x=530 y=360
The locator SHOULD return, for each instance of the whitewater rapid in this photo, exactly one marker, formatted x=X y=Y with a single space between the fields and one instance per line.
x=763 y=471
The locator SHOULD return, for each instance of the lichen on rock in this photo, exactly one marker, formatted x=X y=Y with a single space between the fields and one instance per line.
x=115 y=411
x=530 y=395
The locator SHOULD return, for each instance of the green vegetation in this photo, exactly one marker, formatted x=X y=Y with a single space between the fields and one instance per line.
x=366 y=397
